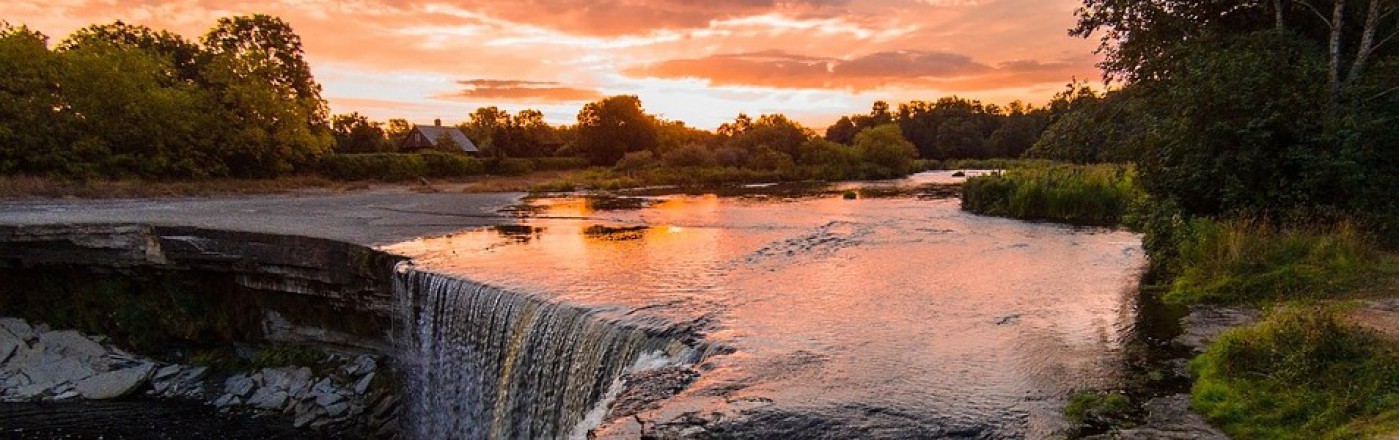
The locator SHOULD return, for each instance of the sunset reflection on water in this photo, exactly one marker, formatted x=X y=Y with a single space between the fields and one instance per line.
x=901 y=304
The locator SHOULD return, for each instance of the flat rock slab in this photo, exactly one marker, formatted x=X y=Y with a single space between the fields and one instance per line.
x=365 y=218
x=72 y=344
x=115 y=384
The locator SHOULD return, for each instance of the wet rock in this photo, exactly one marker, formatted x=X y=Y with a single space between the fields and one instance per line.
x=115 y=384
x=385 y=407
x=643 y=390
x=1170 y=418
x=226 y=400
x=1205 y=323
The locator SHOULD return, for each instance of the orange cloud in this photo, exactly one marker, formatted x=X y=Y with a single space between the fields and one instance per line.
x=941 y=70
x=523 y=91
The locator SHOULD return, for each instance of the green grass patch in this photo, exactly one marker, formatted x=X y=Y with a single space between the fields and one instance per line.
x=1089 y=195
x=278 y=356
x=1097 y=407
x=1243 y=261
x=1300 y=373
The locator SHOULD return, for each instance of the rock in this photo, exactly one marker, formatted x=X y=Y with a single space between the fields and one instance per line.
x=239 y=386
x=299 y=382
x=194 y=373
x=70 y=343
x=1205 y=323
x=166 y=372
x=53 y=367
x=67 y=395
x=1170 y=418
x=9 y=344
x=115 y=384
x=304 y=419
x=19 y=328
x=326 y=394
x=31 y=391
x=269 y=398
x=361 y=365
x=337 y=409
x=362 y=386
x=385 y=407
x=226 y=400
x=1008 y=319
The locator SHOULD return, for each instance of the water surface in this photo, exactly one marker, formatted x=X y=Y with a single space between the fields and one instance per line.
x=883 y=317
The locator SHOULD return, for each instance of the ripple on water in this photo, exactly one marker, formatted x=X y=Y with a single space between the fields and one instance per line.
x=889 y=318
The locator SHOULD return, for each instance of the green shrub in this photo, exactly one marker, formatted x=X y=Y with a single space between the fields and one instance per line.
x=558 y=163
x=397 y=167
x=512 y=167
x=1246 y=261
x=1300 y=373
x=1095 y=195
x=995 y=164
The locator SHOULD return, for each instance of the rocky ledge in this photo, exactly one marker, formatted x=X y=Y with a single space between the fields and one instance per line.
x=340 y=395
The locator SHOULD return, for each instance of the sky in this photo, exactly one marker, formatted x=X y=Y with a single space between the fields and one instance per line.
x=702 y=62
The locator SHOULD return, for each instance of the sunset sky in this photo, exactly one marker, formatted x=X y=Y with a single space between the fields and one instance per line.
x=702 y=62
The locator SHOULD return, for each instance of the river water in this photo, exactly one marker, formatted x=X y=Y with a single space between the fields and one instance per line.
x=891 y=317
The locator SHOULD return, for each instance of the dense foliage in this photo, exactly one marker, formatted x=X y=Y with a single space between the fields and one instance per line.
x=397 y=167
x=953 y=127
x=120 y=100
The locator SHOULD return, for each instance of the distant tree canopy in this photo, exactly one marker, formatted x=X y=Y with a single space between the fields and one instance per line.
x=613 y=127
x=952 y=128
x=354 y=133
x=121 y=100
x=525 y=134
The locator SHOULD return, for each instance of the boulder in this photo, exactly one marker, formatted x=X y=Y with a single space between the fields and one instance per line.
x=337 y=409
x=299 y=382
x=70 y=343
x=361 y=365
x=115 y=384
x=18 y=328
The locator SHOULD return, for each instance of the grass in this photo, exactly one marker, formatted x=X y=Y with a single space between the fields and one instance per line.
x=995 y=164
x=1300 y=373
x=1096 y=407
x=1088 y=195
x=1244 y=261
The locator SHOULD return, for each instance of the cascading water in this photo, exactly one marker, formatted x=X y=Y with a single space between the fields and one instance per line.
x=484 y=362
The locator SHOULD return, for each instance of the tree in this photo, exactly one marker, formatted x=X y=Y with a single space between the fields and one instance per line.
x=773 y=131
x=31 y=123
x=446 y=143
x=614 y=126
x=278 y=120
x=354 y=133
x=843 y=131
x=487 y=127
x=885 y=149
x=181 y=54
x=398 y=130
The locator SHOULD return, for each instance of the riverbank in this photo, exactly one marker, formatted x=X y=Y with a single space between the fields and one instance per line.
x=1280 y=310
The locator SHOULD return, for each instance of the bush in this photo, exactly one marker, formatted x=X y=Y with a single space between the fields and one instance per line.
x=397 y=167
x=1092 y=195
x=1246 y=261
x=1300 y=373
x=636 y=161
x=558 y=163
x=692 y=155
x=511 y=167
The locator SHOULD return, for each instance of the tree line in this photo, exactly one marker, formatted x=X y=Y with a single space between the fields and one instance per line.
x=121 y=100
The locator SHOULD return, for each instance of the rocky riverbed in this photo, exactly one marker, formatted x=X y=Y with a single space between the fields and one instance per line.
x=344 y=394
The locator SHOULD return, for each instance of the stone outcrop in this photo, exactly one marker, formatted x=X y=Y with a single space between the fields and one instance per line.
x=48 y=365
x=43 y=364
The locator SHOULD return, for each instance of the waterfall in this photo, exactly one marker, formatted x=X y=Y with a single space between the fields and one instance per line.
x=484 y=362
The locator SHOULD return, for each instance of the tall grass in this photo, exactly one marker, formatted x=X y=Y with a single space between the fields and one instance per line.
x=1241 y=261
x=1301 y=373
x=1090 y=195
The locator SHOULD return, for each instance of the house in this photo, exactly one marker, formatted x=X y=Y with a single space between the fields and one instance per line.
x=423 y=137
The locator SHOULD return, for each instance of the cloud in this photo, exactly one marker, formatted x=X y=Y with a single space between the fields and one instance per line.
x=630 y=17
x=522 y=91
x=910 y=68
